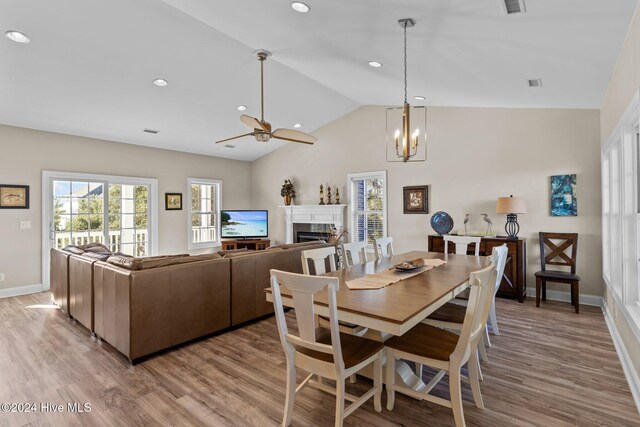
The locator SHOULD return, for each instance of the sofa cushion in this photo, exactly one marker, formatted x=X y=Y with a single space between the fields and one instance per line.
x=301 y=244
x=132 y=263
x=99 y=256
x=232 y=251
x=95 y=247
x=73 y=249
x=240 y=254
x=273 y=249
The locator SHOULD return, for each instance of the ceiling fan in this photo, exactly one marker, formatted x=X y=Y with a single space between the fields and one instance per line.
x=262 y=129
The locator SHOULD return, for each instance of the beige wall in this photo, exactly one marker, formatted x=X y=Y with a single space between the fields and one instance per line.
x=25 y=153
x=474 y=155
x=624 y=83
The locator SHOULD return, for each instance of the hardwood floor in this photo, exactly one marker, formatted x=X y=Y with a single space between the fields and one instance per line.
x=549 y=367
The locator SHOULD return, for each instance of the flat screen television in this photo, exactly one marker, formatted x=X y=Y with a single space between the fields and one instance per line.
x=243 y=224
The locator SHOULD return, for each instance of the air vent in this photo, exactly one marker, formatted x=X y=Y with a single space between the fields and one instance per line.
x=153 y=131
x=535 y=82
x=513 y=6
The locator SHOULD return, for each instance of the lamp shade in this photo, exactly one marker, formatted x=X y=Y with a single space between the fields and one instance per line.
x=511 y=205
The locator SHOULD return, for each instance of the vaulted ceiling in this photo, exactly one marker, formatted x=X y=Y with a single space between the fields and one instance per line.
x=89 y=67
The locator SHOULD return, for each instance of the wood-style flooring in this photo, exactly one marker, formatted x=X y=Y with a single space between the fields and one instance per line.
x=549 y=367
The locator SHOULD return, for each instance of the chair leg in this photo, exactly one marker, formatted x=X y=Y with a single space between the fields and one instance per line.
x=377 y=383
x=538 y=289
x=544 y=290
x=575 y=288
x=474 y=379
x=483 y=350
x=352 y=378
x=456 y=396
x=480 y=376
x=573 y=299
x=339 y=402
x=493 y=320
x=419 y=369
x=487 y=340
x=290 y=395
x=390 y=379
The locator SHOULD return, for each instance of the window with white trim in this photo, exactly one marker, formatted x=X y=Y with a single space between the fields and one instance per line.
x=204 y=212
x=367 y=206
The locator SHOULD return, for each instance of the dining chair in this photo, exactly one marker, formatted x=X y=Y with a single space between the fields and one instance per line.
x=383 y=247
x=325 y=353
x=318 y=257
x=557 y=255
x=355 y=253
x=462 y=243
x=451 y=316
x=444 y=350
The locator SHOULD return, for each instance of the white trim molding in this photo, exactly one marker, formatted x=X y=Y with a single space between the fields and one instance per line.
x=627 y=365
x=565 y=296
x=21 y=290
x=312 y=214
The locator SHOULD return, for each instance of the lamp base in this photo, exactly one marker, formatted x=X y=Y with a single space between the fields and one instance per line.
x=511 y=227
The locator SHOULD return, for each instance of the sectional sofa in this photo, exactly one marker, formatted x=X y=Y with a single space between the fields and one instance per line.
x=144 y=305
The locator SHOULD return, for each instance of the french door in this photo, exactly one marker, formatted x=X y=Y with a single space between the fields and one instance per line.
x=118 y=212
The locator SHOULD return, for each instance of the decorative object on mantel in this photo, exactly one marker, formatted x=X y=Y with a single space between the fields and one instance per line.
x=336 y=238
x=416 y=199
x=563 y=195
x=261 y=128
x=512 y=206
x=441 y=222
x=486 y=219
x=329 y=195
x=321 y=195
x=337 y=196
x=405 y=143
x=288 y=192
x=466 y=221
x=14 y=196
x=173 y=201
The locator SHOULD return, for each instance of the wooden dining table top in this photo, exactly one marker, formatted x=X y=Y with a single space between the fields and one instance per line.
x=401 y=305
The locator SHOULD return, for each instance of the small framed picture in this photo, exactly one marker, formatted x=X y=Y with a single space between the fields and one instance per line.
x=14 y=196
x=416 y=199
x=173 y=201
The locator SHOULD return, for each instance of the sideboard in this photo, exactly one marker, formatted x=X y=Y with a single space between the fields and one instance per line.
x=514 y=281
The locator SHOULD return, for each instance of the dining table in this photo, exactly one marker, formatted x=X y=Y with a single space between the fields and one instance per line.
x=398 y=307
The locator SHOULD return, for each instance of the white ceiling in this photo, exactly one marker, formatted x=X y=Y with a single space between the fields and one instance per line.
x=89 y=66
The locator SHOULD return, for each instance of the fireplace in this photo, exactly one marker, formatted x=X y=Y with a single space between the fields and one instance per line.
x=309 y=236
x=303 y=215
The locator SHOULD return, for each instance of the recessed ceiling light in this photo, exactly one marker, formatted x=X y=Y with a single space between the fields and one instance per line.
x=298 y=6
x=375 y=64
x=419 y=98
x=229 y=145
x=160 y=82
x=297 y=125
x=535 y=82
x=153 y=131
x=241 y=107
x=17 y=36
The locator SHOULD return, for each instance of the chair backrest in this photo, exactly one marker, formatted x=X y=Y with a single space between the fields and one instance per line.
x=383 y=247
x=462 y=243
x=355 y=253
x=482 y=285
x=557 y=254
x=303 y=288
x=499 y=258
x=318 y=257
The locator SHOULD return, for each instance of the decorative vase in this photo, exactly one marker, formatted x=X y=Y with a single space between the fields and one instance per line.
x=287 y=199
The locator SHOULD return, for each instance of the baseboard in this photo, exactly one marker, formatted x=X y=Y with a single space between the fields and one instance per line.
x=563 y=296
x=627 y=366
x=21 y=290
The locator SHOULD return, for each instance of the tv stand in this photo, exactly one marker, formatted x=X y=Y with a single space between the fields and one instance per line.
x=250 y=244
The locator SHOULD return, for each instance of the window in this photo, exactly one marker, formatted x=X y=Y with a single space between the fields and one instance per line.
x=368 y=206
x=204 y=212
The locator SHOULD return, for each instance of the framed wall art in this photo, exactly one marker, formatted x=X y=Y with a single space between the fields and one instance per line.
x=173 y=201
x=416 y=199
x=14 y=196
x=563 y=195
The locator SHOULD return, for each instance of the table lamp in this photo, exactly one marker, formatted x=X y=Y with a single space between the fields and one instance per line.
x=512 y=206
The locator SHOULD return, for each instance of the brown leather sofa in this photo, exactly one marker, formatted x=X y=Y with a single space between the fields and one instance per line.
x=59 y=278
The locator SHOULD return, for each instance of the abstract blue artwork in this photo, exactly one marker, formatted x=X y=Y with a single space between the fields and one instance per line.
x=563 y=195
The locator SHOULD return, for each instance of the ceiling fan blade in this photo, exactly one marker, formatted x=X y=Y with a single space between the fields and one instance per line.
x=235 y=137
x=293 y=136
x=252 y=122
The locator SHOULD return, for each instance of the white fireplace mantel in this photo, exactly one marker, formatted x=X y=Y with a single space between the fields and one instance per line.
x=312 y=214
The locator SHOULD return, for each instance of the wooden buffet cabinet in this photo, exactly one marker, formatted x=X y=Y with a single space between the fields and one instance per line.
x=514 y=281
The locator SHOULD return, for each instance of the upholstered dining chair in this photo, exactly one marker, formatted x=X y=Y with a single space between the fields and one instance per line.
x=558 y=244
x=383 y=247
x=462 y=243
x=355 y=253
x=428 y=345
x=325 y=353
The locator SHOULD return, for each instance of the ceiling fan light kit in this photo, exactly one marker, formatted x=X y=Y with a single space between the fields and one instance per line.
x=261 y=128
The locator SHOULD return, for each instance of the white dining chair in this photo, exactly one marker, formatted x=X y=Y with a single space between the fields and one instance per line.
x=462 y=243
x=428 y=345
x=383 y=247
x=318 y=258
x=355 y=253
x=325 y=353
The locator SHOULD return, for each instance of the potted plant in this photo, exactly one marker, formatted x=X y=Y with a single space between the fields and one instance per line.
x=287 y=192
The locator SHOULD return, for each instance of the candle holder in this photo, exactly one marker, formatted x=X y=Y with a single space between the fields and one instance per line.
x=321 y=195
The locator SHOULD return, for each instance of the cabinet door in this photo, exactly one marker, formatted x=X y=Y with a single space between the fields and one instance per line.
x=509 y=279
